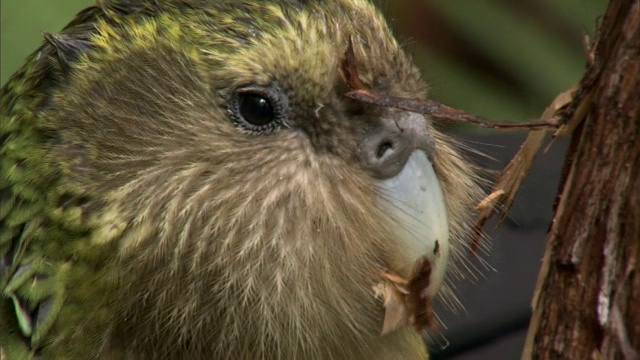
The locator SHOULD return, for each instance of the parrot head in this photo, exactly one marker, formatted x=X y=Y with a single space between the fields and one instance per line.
x=207 y=189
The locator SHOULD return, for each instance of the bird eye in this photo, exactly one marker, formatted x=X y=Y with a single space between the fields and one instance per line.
x=255 y=109
x=259 y=109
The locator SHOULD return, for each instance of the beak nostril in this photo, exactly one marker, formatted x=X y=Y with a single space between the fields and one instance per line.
x=386 y=145
x=383 y=148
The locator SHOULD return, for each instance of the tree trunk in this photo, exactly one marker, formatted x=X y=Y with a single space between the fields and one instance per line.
x=587 y=301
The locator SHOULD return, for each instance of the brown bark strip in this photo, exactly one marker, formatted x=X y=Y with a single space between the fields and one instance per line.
x=349 y=69
x=587 y=300
x=419 y=304
x=510 y=179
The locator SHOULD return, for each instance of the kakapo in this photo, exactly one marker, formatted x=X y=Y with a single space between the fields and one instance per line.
x=186 y=179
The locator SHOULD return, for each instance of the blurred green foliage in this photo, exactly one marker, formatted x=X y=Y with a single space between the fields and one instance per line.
x=22 y=24
x=504 y=59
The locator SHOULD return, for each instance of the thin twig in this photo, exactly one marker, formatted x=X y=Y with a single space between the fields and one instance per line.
x=443 y=112
x=431 y=108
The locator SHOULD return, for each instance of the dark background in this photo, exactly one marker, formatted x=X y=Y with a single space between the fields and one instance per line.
x=502 y=59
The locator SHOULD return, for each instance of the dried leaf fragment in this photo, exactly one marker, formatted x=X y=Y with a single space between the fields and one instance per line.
x=406 y=301
x=395 y=312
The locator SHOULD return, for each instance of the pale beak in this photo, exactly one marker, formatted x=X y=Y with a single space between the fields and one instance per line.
x=415 y=202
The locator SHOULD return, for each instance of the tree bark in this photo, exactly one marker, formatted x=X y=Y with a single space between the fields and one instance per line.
x=587 y=300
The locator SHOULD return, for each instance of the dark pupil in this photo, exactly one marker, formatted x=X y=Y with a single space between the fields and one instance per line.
x=256 y=110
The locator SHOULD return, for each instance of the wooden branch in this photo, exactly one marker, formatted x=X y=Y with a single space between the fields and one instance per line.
x=587 y=300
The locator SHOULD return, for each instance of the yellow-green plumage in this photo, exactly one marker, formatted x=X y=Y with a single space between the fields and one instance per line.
x=139 y=221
